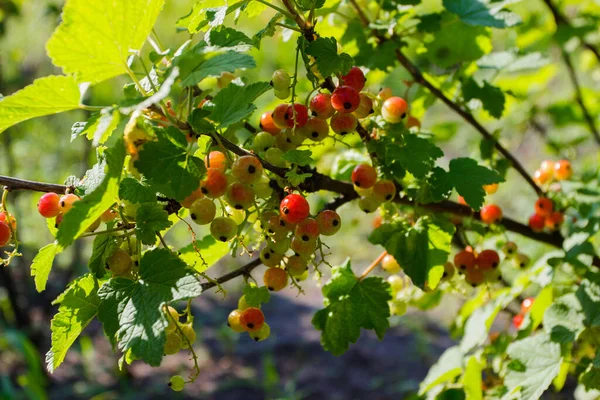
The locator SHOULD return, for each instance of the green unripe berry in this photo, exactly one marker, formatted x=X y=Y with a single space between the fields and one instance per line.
x=262 y=142
x=189 y=335
x=281 y=80
x=172 y=343
x=223 y=229
x=177 y=383
x=203 y=211
x=262 y=334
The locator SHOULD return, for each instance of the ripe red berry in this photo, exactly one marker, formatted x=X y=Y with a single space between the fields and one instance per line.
x=488 y=259
x=267 y=124
x=329 y=222
x=526 y=305
x=345 y=99
x=464 y=260
x=354 y=78
x=321 y=107
x=215 y=183
x=188 y=201
x=474 y=276
x=296 y=114
x=216 y=159
x=302 y=248
x=13 y=221
x=240 y=196
x=364 y=176
x=5 y=234
x=563 y=170
x=296 y=265
x=365 y=108
x=294 y=208
x=491 y=214
x=316 y=129
x=537 y=223
x=307 y=229
x=66 y=202
x=247 y=169
x=544 y=206
x=49 y=206
x=394 y=109
x=252 y=319
x=554 y=220
x=275 y=279
x=384 y=190
x=517 y=320
x=343 y=124
x=279 y=116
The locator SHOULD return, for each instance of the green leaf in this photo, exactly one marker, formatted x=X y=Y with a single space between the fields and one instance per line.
x=468 y=178
x=216 y=65
x=135 y=191
x=511 y=61
x=203 y=13
x=419 y=248
x=351 y=305
x=169 y=169
x=99 y=127
x=228 y=37
x=131 y=311
x=417 y=156
x=458 y=42
x=255 y=296
x=588 y=295
x=112 y=31
x=45 y=96
x=307 y=5
x=234 y=103
x=541 y=358
x=329 y=62
x=448 y=367
x=268 y=31
x=491 y=97
x=472 y=380
x=295 y=178
x=78 y=306
x=87 y=210
x=210 y=250
x=590 y=379
x=429 y=23
x=149 y=219
x=298 y=157
x=475 y=12
x=440 y=185
x=103 y=247
x=42 y=264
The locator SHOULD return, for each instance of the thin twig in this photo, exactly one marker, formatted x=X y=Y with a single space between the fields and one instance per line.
x=371 y=267
x=23 y=184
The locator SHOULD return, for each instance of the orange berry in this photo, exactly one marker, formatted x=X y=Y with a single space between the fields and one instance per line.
x=542 y=177
x=275 y=279
x=526 y=305
x=537 y=223
x=563 y=170
x=491 y=189
x=491 y=214
x=488 y=259
x=464 y=260
x=544 y=206
x=252 y=319
x=554 y=220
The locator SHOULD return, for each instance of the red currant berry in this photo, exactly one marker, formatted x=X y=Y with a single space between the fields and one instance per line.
x=474 y=277
x=354 y=78
x=517 y=320
x=216 y=159
x=58 y=220
x=49 y=205
x=110 y=215
x=233 y=321
x=316 y=129
x=390 y=265
x=302 y=248
x=247 y=169
x=343 y=124
x=307 y=229
x=465 y=260
x=364 y=176
x=449 y=271
x=412 y=122
x=394 y=109
x=294 y=208
x=279 y=116
x=203 y=211
x=252 y=319
x=240 y=196
x=526 y=305
x=5 y=234
x=491 y=189
x=544 y=206
x=384 y=190
x=268 y=125
x=296 y=115
x=296 y=265
x=365 y=108
x=490 y=214
x=276 y=228
x=563 y=170
x=66 y=202
x=540 y=177
x=223 y=229
x=537 y=223
x=321 y=107
x=270 y=258
x=195 y=195
x=215 y=183
x=13 y=221
x=275 y=279
x=488 y=259
x=345 y=99
x=329 y=222
x=554 y=220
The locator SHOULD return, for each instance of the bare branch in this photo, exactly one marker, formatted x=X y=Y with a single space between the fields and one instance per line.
x=21 y=184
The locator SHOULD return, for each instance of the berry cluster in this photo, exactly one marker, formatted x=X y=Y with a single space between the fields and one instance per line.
x=249 y=319
x=549 y=170
x=545 y=217
x=51 y=205
x=372 y=192
x=8 y=224
x=478 y=267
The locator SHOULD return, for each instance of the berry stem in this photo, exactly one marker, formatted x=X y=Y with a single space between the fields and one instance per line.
x=293 y=28
x=371 y=267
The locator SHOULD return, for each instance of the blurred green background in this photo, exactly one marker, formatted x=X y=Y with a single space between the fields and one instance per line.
x=291 y=364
